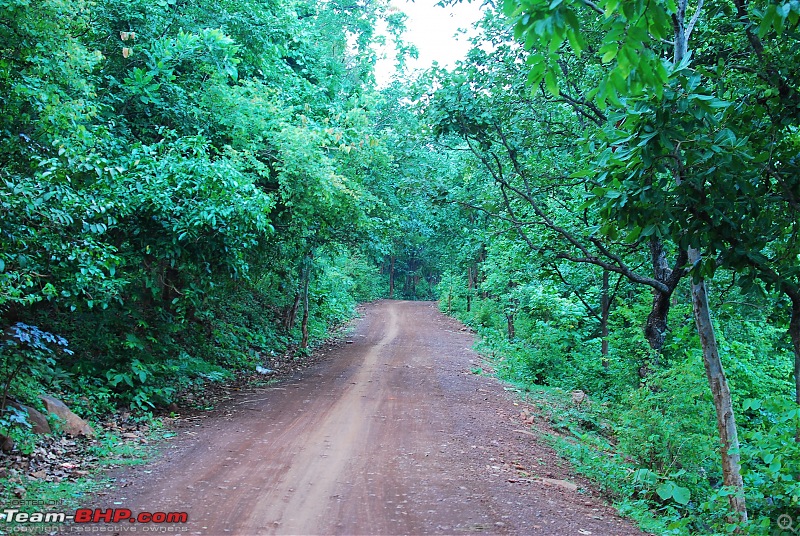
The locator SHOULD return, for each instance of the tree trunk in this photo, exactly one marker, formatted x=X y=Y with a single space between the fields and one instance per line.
x=304 y=324
x=655 y=329
x=794 y=334
x=510 y=319
x=470 y=285
x=605 y=307
x=291 y=314
x=450 y=300
x=681 y=42
x=726 y=421
x=391 y=277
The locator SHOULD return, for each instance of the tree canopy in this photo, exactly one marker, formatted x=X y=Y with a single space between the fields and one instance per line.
x=606 y=190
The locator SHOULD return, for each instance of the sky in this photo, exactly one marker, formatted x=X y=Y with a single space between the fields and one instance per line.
x=432 y=29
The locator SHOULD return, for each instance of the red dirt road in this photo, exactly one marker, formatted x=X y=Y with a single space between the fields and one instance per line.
x=391 y=434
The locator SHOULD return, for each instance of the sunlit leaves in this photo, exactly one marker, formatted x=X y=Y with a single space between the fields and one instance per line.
x=632 y=41
x=779 y=15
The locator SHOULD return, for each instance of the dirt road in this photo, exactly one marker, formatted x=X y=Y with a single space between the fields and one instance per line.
x=392 y=434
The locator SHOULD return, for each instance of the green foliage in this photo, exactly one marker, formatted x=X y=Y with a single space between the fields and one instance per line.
x=167 y=171
x=652 y=445
x=667 y=427
x=772 y=456
x=188 y=189
x=600 y=140
x=28 y=354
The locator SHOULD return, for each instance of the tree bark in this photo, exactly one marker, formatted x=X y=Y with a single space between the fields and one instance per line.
x=391 y=277
x=291 y=314
x=304 y=324
x=470 y=285
x=720 y=391
x=450 y=300
x=655 y=329
x=726 y=420
x=605 y=308
x=794 y=334
x=510 y=319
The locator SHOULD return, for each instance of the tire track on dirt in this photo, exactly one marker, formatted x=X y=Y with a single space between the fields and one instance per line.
x=334 y=435
x=389 y=435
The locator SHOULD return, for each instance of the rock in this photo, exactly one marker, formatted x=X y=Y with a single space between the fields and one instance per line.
x=262 y=370
x=173 y=407
x=36 y=418
x=6 y=443
x=74 y=425
x=578 y=397
x=569 y=486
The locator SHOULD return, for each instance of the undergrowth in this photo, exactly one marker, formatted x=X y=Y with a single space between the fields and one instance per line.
x=651 y=445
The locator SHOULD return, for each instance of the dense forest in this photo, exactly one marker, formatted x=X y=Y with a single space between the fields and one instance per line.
x=606 y=191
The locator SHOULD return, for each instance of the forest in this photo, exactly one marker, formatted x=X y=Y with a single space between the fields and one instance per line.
x=607 y=191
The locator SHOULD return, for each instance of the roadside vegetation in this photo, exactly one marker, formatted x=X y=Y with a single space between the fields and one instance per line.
x=625 y=229
x=606 y=191
x=188 y=191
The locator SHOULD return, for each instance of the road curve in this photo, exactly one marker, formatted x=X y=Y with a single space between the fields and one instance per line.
x=392 y=434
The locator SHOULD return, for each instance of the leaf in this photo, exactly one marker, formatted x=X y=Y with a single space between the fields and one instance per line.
x=751 y=403
x=681 y=494
x=576 y=41
x=646 y=476
x=665 y=490
x=649 y=229
x=766 y=21
x=510 y=7
x=537 y=70
x=633 y=234
x=572 y=19
x=610 y=7
x=551 y=82
x=609 y=55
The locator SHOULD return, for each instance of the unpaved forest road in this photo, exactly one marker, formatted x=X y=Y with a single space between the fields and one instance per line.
x=391 y=434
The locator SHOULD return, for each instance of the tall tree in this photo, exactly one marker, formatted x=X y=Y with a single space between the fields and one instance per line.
x=670 y=147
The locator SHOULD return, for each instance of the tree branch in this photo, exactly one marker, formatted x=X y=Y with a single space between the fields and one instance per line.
x=633 y=276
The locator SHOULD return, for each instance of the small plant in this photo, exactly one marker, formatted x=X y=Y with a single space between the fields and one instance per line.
x=25 y=348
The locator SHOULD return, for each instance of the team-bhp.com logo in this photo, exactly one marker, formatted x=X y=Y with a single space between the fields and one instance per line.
x=96 y=515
